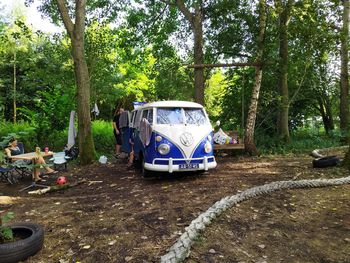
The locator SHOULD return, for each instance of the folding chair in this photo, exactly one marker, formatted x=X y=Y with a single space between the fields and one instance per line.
x=6 y=175
x=59 y=160
x=22 y=170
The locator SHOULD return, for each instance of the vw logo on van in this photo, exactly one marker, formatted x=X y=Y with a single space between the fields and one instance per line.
x=186 y=139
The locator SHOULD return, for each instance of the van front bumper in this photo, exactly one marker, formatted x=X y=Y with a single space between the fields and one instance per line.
x=177 y=165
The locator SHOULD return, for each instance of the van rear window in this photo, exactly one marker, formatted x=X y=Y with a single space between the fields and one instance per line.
x=181 y=116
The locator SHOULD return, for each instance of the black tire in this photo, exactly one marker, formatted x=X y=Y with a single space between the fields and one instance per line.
x=145 y=173
x=325 y=162
x=32 y=242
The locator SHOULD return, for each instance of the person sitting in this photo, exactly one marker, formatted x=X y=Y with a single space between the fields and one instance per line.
x=12 y=150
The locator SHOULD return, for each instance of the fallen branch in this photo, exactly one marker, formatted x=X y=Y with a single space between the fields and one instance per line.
x=94 y=182
x=316 y=153
x=55 y=188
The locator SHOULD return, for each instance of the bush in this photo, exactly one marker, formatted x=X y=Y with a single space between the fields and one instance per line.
x=302 y=141
x=23 y=131
x=103 y=137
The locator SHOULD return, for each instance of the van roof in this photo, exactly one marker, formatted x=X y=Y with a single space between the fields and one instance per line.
x=173 y=103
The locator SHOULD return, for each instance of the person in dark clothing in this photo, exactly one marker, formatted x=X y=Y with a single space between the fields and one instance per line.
x=117 y=132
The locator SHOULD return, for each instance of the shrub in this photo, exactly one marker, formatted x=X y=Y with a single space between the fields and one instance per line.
x=103 y=136
x=6 y=233
x=301 y=141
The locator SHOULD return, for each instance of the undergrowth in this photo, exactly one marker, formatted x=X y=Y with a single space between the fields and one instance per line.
x=303 y=141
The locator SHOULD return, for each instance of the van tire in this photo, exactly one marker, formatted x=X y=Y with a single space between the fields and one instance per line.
x=325 y=162
x=145 y=173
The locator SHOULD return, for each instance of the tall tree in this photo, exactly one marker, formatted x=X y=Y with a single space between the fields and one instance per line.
x=195 y=19
x=284 y=10
x=250 y=124
x=344 y=75
x=76 y=34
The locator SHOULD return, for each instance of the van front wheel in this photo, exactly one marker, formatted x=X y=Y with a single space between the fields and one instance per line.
x=145 y=173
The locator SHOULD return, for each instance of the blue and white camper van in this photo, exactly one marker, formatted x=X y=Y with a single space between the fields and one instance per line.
x=172 y=136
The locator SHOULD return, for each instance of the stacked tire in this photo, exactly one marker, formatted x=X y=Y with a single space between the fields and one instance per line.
x=325 y=162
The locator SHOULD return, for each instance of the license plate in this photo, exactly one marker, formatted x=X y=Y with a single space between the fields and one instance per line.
x=189 y=166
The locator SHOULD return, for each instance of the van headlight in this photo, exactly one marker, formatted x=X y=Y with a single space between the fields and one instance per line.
x=207 y=147
x=164 y=149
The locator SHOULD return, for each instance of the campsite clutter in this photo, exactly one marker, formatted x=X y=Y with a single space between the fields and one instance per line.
x=220 y=137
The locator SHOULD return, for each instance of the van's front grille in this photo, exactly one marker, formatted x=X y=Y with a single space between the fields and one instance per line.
x=181 y=161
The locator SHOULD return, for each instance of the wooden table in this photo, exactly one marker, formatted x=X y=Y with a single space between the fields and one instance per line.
x=236 y=146
x=30 y=156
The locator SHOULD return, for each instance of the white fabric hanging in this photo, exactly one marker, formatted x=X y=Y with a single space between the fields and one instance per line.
x=71 y=131
x=95 y=110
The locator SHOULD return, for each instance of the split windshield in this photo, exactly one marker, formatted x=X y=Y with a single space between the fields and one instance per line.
x=193 y=116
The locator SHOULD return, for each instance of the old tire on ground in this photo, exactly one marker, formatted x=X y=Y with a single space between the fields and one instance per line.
x=32 y=240
x=325 y=162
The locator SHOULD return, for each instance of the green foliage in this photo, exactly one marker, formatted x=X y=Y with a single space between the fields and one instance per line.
x=214 y=94
x=6 y=233
x=302 y=141
x=103 y=136
x=23 y=131
x=143 y=58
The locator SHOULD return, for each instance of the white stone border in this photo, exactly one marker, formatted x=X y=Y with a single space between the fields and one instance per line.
x=181 y=249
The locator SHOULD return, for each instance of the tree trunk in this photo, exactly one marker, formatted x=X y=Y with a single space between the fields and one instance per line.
x=284 y=18
x=196 y=21
x=76 y=34
x=250 y=124
x=14 y=86
x=198 y=56
x=326 y=113
x=344 y=75
x=347 y=159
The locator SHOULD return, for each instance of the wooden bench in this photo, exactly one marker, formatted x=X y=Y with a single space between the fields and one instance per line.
x=236 y=146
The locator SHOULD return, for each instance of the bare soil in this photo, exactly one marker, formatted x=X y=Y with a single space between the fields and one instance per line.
x=118 y=216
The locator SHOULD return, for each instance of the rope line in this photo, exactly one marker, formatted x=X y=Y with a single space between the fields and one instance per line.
x=181 y=248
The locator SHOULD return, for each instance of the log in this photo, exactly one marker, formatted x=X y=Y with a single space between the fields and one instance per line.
x=55 y=188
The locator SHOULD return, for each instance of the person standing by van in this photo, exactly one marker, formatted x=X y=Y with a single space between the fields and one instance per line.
x=117 y=132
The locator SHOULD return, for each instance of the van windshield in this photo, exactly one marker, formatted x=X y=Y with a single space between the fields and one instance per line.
x=181 y=116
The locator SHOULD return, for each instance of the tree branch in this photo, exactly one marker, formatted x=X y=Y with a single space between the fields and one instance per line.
x=300 y=84
x=185 y=11
x=222 y=65
x=65 y=17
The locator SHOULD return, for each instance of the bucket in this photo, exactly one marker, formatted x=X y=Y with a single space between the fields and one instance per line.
x=103 y=159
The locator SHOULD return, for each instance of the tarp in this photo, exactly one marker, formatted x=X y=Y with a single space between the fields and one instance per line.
x=71 y=131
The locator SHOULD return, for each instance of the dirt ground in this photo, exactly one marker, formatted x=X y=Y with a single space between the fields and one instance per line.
x=118 y=216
